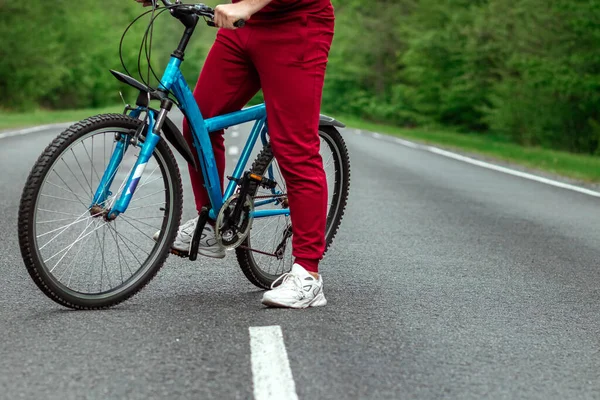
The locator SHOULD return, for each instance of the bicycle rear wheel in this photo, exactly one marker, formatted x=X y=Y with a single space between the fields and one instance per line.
x=77 y=257
x=266 y=253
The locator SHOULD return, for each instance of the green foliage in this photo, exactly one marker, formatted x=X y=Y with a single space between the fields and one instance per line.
x=57 y=54
x=528 y=70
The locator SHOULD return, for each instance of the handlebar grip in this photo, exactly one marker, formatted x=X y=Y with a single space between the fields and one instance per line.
x=238 y=24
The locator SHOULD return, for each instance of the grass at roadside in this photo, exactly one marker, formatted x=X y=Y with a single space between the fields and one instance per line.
x=581 y=167
x=43 y=117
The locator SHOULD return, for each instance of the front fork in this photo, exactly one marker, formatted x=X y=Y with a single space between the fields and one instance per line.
x=152 y=137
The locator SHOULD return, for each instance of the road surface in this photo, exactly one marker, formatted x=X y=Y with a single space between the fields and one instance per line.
x=446 y=280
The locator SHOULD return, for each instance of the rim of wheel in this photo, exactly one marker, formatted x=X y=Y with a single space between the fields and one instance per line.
x=87 y=240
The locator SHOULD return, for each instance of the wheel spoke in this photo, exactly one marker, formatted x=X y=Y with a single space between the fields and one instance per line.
x=61 y=232
x=126 y=219
x=148 y=195
x=72 y=173
x=65 y=190
x=113 y=233
x=59 y=198
x=146 y=181
x=69 y=247
x=141 y=222
x=82 y=173
x=91 y=158
x=59 y=212
x=146 y=206
x=123 y=238
x=76 y=257
x=67 y=185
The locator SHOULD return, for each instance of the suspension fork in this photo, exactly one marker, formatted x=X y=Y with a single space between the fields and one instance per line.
x=152 y=137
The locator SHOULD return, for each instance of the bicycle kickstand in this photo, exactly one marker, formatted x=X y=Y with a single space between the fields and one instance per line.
x=202 y=220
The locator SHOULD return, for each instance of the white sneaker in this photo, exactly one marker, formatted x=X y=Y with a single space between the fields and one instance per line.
x=208 y=247
x=299 y=289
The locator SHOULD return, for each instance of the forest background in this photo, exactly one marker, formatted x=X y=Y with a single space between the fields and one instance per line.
x=525 y=71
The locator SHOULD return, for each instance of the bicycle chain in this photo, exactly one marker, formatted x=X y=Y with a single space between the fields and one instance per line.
x=271 y=196
x=185 y=254
x=259 y=251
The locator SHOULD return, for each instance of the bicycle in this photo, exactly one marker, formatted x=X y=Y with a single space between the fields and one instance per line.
x=85 y=232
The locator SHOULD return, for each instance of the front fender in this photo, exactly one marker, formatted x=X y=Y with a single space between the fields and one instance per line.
x=174 y=136
x=145 y=91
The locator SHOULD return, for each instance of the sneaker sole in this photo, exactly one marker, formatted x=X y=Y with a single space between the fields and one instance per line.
x=318 y=301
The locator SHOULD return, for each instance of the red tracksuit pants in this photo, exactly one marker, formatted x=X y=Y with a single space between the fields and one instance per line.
x=286 y=57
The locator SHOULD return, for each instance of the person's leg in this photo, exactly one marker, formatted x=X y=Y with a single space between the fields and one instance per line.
x=291 y=59
x=227 y=82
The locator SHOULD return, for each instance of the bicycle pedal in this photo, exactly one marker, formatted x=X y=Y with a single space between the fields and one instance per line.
x=178 y=253
x=262 y=181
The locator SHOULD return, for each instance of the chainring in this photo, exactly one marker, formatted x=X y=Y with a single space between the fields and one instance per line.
x=234 y=235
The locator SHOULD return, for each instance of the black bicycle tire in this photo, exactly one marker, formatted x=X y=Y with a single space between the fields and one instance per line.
x=244 y=256
x=49 y=286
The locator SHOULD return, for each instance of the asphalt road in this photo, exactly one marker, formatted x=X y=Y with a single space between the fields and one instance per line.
x=446 y=280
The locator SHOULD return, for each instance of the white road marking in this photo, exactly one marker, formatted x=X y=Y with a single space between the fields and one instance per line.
x=407 y=143
x=233 y=151
x=376 y=135
x=513 y=172
x=494 y=167
x=271 y=373
x=235 y=134
x=35 y=129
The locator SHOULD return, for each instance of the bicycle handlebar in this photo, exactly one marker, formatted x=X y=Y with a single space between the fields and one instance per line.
x=198 y=9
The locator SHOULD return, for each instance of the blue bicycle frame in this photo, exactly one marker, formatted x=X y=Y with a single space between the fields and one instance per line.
x=174 y=81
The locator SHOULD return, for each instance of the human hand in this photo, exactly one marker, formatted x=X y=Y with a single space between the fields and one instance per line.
x=226 y=15
x=145 y=3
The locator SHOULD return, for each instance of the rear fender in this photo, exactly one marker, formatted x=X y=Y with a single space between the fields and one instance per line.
x=325 y=120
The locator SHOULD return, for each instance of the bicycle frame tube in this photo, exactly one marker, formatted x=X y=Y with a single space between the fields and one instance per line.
x=259 y=126
x=174 y=81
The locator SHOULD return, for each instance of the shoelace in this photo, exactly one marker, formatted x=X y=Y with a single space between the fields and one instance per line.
x=290 y=281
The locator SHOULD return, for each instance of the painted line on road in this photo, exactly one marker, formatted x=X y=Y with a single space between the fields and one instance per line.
x=513 y=172
x=407 y=143
x=233 y=151
x=487 y=165
x=35 y=129
x=271 y=373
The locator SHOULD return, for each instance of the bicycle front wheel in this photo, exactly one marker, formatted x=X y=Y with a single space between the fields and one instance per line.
x=266 y=253
x=75 y=255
